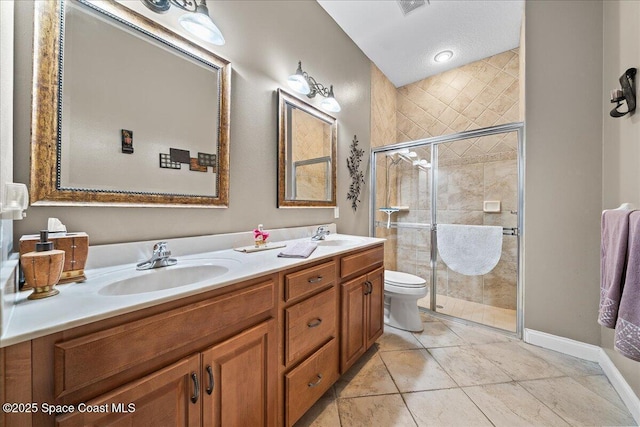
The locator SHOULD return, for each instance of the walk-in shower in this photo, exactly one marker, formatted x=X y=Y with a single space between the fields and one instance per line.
x=470 y=178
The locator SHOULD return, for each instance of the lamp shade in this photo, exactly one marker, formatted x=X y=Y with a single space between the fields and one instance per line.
x=330 y=103
x=199 y=24
x=299 y=82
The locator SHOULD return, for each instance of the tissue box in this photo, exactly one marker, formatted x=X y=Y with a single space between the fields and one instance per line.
x=76 y=248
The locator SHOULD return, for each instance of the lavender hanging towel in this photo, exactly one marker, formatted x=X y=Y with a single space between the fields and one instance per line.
x=613 y=258
x=627 y=339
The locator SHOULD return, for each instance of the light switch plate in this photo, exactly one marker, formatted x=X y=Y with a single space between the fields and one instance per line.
x=336 y=212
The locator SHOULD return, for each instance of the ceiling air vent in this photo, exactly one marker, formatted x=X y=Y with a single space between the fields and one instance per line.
x=410 y=5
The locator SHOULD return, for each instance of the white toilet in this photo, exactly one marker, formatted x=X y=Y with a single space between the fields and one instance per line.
x=401 y=294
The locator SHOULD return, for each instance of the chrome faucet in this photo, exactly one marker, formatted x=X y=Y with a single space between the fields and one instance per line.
x=321 y=233
x=161 y=257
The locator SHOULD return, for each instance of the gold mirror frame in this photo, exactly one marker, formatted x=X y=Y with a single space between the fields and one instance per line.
x=285 y=99
x=44 y=188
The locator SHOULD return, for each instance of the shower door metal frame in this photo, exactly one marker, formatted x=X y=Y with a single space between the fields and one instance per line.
x=434 y=143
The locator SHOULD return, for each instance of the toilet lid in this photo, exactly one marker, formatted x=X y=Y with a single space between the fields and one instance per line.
x=407 y=280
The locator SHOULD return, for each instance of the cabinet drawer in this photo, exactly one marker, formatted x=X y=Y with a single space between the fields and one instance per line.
x=306 y=383
x=88 y=360
x=361 y=262
x=309 y=324
x=308 y=280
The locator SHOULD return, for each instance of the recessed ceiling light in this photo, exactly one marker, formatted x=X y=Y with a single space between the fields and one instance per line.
x=443 y=56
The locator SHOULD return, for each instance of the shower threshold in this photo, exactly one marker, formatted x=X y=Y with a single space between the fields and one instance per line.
x=496 y=317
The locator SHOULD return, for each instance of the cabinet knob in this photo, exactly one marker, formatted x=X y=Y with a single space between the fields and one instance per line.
x=316 y=279
x=210 y=373
x=196 y=388
x=314 y=384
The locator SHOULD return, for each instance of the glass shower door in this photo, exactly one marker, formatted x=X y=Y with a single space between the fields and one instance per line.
x=402 y=212
x=476 y=182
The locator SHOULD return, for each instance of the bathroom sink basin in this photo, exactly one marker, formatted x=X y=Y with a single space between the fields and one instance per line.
x=339 y=241
x=159 y=279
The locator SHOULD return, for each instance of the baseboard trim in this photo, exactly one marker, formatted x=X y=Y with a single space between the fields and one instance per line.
x=621 y=385
x=563 y=345
x=594 y=354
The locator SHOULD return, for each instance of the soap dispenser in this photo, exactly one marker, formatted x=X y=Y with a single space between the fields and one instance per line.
x=43 y=267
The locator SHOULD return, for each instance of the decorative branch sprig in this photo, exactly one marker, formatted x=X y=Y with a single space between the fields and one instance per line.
x=357 y=176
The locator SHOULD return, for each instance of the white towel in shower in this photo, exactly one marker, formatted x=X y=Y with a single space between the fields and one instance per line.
x=472 y=250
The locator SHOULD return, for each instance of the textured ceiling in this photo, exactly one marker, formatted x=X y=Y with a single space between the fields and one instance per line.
x=403 y=47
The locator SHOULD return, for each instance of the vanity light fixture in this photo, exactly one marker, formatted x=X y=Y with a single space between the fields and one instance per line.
x=443 y=56
x=303 y=83
x=197 y=22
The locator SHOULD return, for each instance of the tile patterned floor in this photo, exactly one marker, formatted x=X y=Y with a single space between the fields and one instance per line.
x=501 y=318
x=453 y=374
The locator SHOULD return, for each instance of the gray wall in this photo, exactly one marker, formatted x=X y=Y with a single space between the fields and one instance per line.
x=264 y=42
x=563 y=178
x=621 y=142
x=6 y=119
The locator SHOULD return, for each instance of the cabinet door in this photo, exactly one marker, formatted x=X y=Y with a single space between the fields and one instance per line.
x=239 y=379
x=168 y=397
x=375 y=306
x=353 y=312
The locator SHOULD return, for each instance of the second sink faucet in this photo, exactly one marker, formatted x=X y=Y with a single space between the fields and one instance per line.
x=161 y=257
x=321 y=233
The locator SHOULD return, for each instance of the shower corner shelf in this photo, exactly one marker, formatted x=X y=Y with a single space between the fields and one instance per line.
x=401 y=208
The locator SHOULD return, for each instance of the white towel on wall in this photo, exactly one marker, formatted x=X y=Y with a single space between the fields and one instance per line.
x=472 y=250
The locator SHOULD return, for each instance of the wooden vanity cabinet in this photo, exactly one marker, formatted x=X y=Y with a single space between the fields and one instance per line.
x=309 y=358
x=362 y=296
x=239 y=379
x=154 y=357
x=165 y=398
x=258 y=353
x=213 y=388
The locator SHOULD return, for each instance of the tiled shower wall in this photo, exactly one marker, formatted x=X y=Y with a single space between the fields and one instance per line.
x=477 y=95
x=383 y=132
x=481 y=94
x=461 y=190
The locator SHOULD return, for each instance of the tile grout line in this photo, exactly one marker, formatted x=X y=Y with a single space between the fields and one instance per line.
x=544 y=404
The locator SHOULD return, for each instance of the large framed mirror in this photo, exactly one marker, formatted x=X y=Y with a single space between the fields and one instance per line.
x=125 y=112
x=307 y=139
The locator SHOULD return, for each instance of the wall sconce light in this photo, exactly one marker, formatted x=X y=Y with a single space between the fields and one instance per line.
x=628 y=93
x=197 y=22
x=303 y=83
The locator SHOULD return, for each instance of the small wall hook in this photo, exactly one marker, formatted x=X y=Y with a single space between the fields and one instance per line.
x=628 y=93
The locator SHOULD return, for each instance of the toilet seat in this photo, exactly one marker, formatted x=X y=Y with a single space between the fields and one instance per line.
x=406 y=291
x=403 y=280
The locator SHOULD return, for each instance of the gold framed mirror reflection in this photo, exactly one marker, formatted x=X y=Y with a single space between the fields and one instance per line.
x=307 y=141
x=143 y=121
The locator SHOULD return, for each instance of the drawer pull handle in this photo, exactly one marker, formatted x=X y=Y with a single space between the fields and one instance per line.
x=315 y=323
x=196 y=388
x=311 y=385
x=210 y=373
x=316 y=279
x=369 y=287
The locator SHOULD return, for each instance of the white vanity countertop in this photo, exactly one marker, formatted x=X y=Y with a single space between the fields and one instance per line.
x=82 y=303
